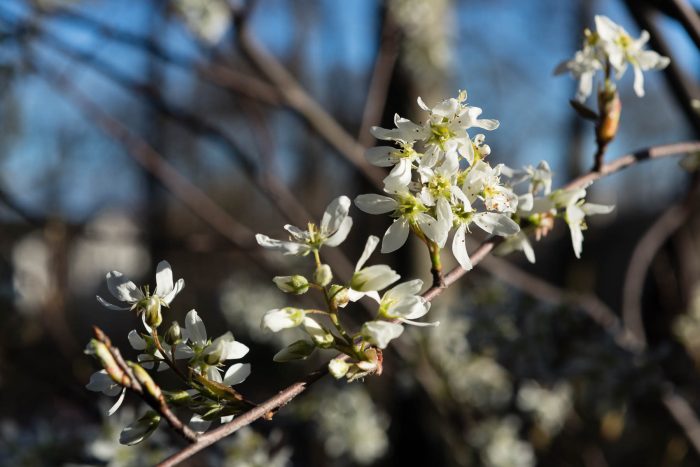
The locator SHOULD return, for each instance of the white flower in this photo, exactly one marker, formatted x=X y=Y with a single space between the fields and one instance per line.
x=409 y=212
x=405 y=132
x=582 y=67
x=491 y=222
x=516 y=242
x=403 y=303
x=332 y=231
x=208 y=355
x=126 y=291
x=379 y=333
x=147 y=359
x=576 y=209
x=282 y=318
x=367 y=281
x=622 y=49
x=100 y=381
x=483 y=182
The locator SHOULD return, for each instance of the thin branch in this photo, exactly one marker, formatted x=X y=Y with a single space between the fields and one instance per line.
x=286 y=395
x=381 y=78
x=643 y=255
x=153 y=398
x=184 y=190
x=271 y=405
x=213 y=73
x=302 y=103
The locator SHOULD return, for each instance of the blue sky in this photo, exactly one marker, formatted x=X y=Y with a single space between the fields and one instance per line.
x=503 y=53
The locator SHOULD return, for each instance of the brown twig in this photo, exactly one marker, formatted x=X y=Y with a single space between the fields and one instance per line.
x=381 y=78
x=302 y=103
x=643 y=255
x=271 y=405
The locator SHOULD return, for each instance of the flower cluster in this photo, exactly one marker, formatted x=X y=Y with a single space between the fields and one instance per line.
x=539 y=207
x=610 y=48
x=361 y=350
x=440 y=179
x=208 y=394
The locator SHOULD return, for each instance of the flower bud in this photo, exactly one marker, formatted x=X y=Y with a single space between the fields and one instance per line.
x=339 y=296
x=174 y=334
x=296 y=284
x=151 y=310
x=338 y=367
x=318 y=333
x=323 y=275
x=282 y=318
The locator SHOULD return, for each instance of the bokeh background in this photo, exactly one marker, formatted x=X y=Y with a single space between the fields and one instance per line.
x=137 y=131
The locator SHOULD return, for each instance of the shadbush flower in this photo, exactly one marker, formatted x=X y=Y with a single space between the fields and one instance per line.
x=126 y=291
x=332 y=231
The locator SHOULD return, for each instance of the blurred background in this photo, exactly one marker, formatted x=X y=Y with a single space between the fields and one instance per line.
x=132 y=132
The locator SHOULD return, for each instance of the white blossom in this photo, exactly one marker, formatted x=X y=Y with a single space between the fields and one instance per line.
x=126 y=291
x=332 y=231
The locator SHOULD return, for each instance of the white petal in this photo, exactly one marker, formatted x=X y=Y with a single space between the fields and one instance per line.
x=375 y=204
x=164 y=279
x=140 y=429
x=122 y=288
x=395 y=236
x=198 y=424
x=434 y=230
x=136 y=341
x=118 y=403
x=376 y=277
x=459 y=248
x=381 y=156
x=638 y=81
x=341 y=234
x=404 y=289
x=109 y=306
x=334 y=215
x=287 y=248
x=196 y=331
x=236 y=374
x=234 y=350
x=370 y=246
x=591 y=209
x=179 y=285
x=496 y=223
x=379 y=333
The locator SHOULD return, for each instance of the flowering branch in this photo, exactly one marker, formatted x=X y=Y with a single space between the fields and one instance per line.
x=134 y=378
x=286 y=395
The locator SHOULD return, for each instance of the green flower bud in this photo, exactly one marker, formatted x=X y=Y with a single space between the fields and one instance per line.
x=174 y=334
x=338 y=368
x=296 y=284
x=151 y=309
x=323 y=275
x=339 y=296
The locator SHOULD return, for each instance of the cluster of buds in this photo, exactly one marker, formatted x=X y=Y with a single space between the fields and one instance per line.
x=199 y=361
